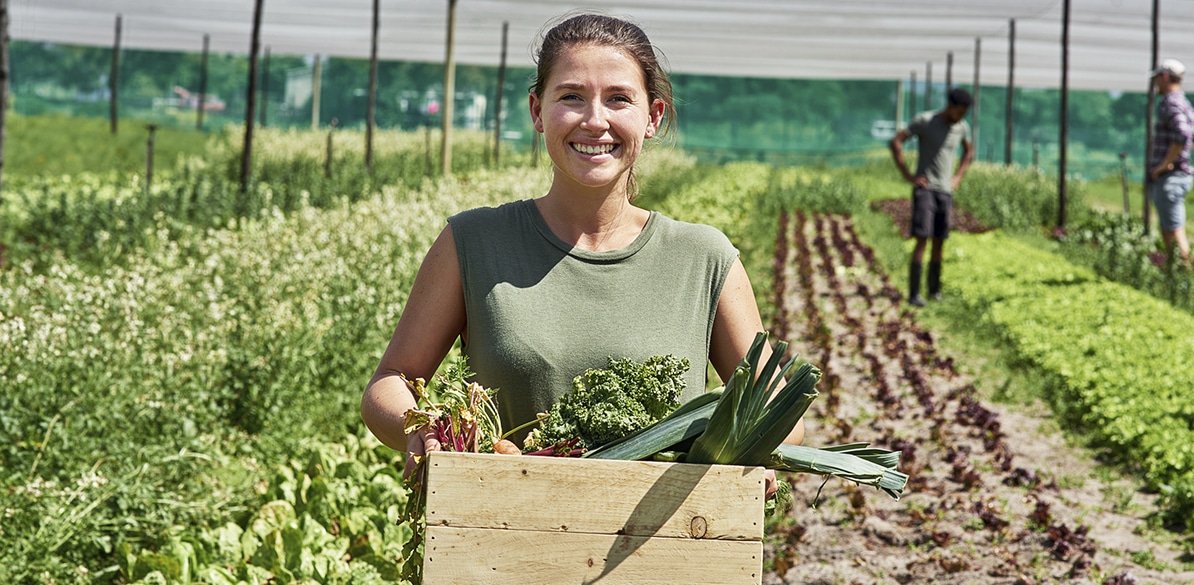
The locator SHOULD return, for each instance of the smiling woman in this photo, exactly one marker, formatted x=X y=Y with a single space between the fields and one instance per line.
x=541 y=290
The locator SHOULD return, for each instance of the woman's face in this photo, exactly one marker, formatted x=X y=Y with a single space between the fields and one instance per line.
x=594 y=115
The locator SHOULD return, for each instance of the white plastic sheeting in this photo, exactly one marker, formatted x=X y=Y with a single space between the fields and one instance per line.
x=1110 y=40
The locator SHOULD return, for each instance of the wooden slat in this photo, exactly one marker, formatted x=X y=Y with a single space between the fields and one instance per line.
x=638 y=498
x=523 y=557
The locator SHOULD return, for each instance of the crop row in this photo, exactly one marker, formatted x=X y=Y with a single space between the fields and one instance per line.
x=152 y=395
x=885 y=382
x=1118 y=358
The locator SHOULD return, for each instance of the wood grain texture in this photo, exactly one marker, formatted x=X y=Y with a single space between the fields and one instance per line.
x=633 y=498
x=526 y=557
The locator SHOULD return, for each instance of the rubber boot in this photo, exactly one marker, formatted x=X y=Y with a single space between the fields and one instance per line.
x=935 y=281
x=914 y=271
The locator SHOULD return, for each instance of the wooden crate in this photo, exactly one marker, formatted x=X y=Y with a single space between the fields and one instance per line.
x=499 y=519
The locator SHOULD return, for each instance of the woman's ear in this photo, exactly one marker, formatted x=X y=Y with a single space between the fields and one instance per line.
x=536 y=111
x=654 y=118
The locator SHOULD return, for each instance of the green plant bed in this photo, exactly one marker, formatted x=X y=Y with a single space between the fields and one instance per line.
x=1120 y=356
x=56 y=145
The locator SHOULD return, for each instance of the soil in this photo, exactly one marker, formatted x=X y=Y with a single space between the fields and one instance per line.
x=996 y=493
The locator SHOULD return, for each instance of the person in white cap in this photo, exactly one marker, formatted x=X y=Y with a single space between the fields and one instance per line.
x=1169 y=173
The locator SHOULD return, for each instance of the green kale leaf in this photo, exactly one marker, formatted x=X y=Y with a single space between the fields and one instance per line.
x=610 y=403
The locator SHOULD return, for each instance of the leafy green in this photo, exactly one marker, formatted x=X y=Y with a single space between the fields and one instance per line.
x=746 y=424
x=610 y=403
x=752 y=418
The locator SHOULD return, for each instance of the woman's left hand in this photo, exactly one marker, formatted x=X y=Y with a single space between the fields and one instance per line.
x=769 y=483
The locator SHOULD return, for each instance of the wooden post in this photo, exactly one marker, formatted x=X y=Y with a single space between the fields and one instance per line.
x=254 y=45
x=149 y=158
x=912 y=97
x=327 y=162
x=369 y=112
x=316 y=81
x=978 y=51
x=949 y=71
x=928 y=85
x=1065 y=116
x=1148 y=119
x=202 y=105
x=1123 y=181
x=449 y=105
x=497 y=102
x=265 y=88
x=427 y=149
x=3 y=91
x=1011 y=85
x=113 y=78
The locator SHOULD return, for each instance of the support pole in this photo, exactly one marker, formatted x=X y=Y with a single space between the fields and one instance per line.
x=497 y=105
x=899 y=109
x=246 y=160
x=949 y=71
x=1123 y=181
x=316 y=80
x=3 y=95
x=149 y=158
x=113 y=79
x=1065 y=115
x=928 y=85
x=1148 y=119
x=912 y=97
x=265 y=89
x=372 y=107
x=449 y=106
x=1011 y=86
x=327 y=161
x=978 y=52
x=202 y=105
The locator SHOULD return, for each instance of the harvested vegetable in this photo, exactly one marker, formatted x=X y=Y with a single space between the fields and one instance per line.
x=463 y=417
x=746 y=423
x=609 y=403
x=506 y=447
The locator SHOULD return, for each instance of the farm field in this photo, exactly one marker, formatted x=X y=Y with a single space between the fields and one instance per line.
x=997 y=494
x=182 y=369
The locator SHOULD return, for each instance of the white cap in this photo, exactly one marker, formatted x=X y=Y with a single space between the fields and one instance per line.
x=1170 y=66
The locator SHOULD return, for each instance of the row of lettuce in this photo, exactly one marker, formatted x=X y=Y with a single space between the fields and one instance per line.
x=1117 y=359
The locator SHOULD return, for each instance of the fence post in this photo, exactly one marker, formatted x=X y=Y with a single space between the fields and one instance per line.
x=114 y=78
x=327 y=161
x=149 y=158
x=1123 y=179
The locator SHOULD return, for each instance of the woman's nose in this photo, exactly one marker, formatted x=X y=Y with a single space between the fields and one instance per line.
x=594 y=117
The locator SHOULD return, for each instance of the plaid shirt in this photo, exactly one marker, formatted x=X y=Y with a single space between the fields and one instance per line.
x=1175 y=125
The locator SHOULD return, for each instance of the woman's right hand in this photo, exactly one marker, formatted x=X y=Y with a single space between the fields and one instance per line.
x=418 y=444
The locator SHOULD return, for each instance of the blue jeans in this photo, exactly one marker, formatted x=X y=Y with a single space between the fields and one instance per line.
x=1168 y=194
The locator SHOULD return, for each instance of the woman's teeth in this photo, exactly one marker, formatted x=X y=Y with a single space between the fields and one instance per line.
x=594 y=149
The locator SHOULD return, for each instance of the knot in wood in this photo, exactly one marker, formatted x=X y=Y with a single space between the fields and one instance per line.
x=698 y=527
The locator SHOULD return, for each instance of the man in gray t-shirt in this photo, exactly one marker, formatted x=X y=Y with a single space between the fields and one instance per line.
x=939 y=135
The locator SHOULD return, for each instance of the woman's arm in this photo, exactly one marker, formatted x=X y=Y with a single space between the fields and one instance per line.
x=430 y=323
x=734 y=330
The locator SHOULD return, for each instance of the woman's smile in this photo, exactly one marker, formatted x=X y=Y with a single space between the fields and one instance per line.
x=595 y=113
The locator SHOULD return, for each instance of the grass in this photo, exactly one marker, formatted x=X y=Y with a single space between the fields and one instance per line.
x=53 y=145
x=1107 y=194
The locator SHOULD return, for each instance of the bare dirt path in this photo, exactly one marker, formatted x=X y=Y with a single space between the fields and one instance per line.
x=994 y=495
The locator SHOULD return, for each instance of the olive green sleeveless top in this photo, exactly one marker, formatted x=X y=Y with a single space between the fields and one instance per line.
x=541 y=311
